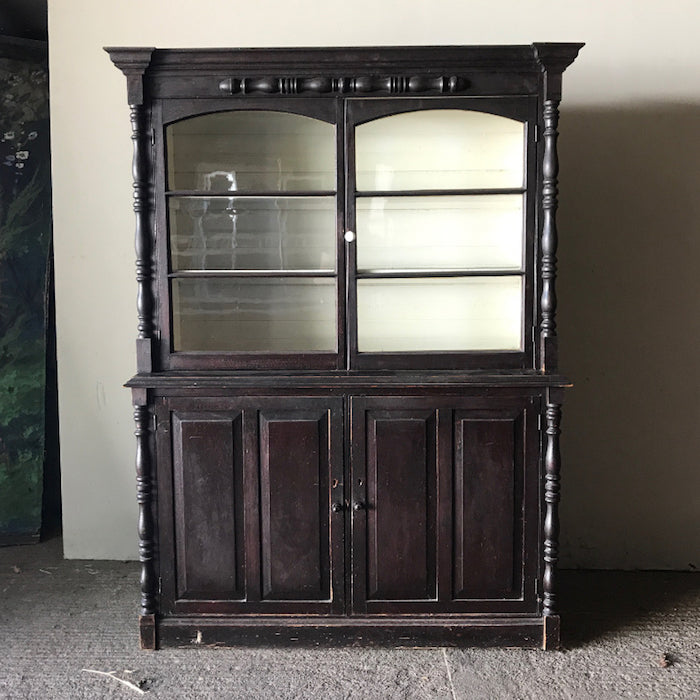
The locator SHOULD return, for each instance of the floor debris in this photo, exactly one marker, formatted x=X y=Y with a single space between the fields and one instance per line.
x=113 y=675
x=666 y=660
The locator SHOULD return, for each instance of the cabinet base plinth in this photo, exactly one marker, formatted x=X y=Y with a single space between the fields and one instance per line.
x=147 y=632
x=396 y=632
x=552 y=634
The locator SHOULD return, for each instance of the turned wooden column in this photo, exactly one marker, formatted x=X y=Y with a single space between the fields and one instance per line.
x=133 y=63
x=553 y=60
x=144 y=497
x=552 y=466
x=549 y=238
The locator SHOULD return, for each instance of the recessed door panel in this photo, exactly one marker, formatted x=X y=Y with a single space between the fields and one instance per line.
x=295 y=490
x=207 y=480
x=394 y=505
x=401 y=491
x=487 y=471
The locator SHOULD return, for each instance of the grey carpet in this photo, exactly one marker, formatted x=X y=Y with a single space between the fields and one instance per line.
x=627 y=635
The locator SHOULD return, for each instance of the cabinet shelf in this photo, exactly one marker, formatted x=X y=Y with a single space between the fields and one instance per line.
x=251 y=273
x=428 y=273
x=441 y=192
x=269 y=194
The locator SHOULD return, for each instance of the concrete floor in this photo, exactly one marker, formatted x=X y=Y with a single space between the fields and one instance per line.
x=626 y=635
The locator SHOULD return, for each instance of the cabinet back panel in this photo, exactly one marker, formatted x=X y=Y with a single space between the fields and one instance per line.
x=208 y=523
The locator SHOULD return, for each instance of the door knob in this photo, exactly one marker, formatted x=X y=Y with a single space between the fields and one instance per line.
x=337 y=507
x=358 y=506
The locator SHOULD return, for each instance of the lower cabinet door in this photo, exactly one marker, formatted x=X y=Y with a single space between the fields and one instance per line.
x=444 y=505
x=248 y=485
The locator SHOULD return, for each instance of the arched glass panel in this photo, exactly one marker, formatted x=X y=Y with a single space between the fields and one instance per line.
x=251 y=150
x=439 y=149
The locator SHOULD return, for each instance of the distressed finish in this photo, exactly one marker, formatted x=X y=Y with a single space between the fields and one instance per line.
x=345 y=496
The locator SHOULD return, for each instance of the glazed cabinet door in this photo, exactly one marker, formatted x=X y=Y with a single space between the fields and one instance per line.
x=440 y=261
x=249 y=200
x=444 y=505
x=248 y=484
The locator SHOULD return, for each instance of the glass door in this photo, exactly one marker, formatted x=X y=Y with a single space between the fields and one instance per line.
x=439 y=222
x=250 y=199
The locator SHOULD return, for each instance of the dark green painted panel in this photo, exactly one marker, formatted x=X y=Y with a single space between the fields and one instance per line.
x=25 y=233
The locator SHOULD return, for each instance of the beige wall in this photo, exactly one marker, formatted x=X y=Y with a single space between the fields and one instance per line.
x=630 y=245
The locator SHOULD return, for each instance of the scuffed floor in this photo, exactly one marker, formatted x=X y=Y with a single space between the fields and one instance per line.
x=626 y=635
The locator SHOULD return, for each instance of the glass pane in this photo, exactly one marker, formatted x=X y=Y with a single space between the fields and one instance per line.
x=469 y=233
x=473 y=313
x=252 y=233
x=251 y=151
x=439 y=149
x=247 y=315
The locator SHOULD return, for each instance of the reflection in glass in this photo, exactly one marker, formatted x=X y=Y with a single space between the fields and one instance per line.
x=461 y=232
x=252 y=233
x=441 y=314
x=248 y=315
x=439 y=149
x=251 y=150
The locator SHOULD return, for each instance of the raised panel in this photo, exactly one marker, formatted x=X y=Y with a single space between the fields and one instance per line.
x=488 y=535
x=401 y=500
x=294 y=492
x=207 y=482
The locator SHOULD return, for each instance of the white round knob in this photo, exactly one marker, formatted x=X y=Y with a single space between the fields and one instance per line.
x=349 y=236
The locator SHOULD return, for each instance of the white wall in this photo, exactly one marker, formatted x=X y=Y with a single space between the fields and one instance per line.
x=630 y=245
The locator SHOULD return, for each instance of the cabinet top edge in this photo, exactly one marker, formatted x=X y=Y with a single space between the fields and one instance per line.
x=343 y=380
x=490 y=56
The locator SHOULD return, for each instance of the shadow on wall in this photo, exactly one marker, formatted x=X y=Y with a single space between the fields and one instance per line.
x=629 y=325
